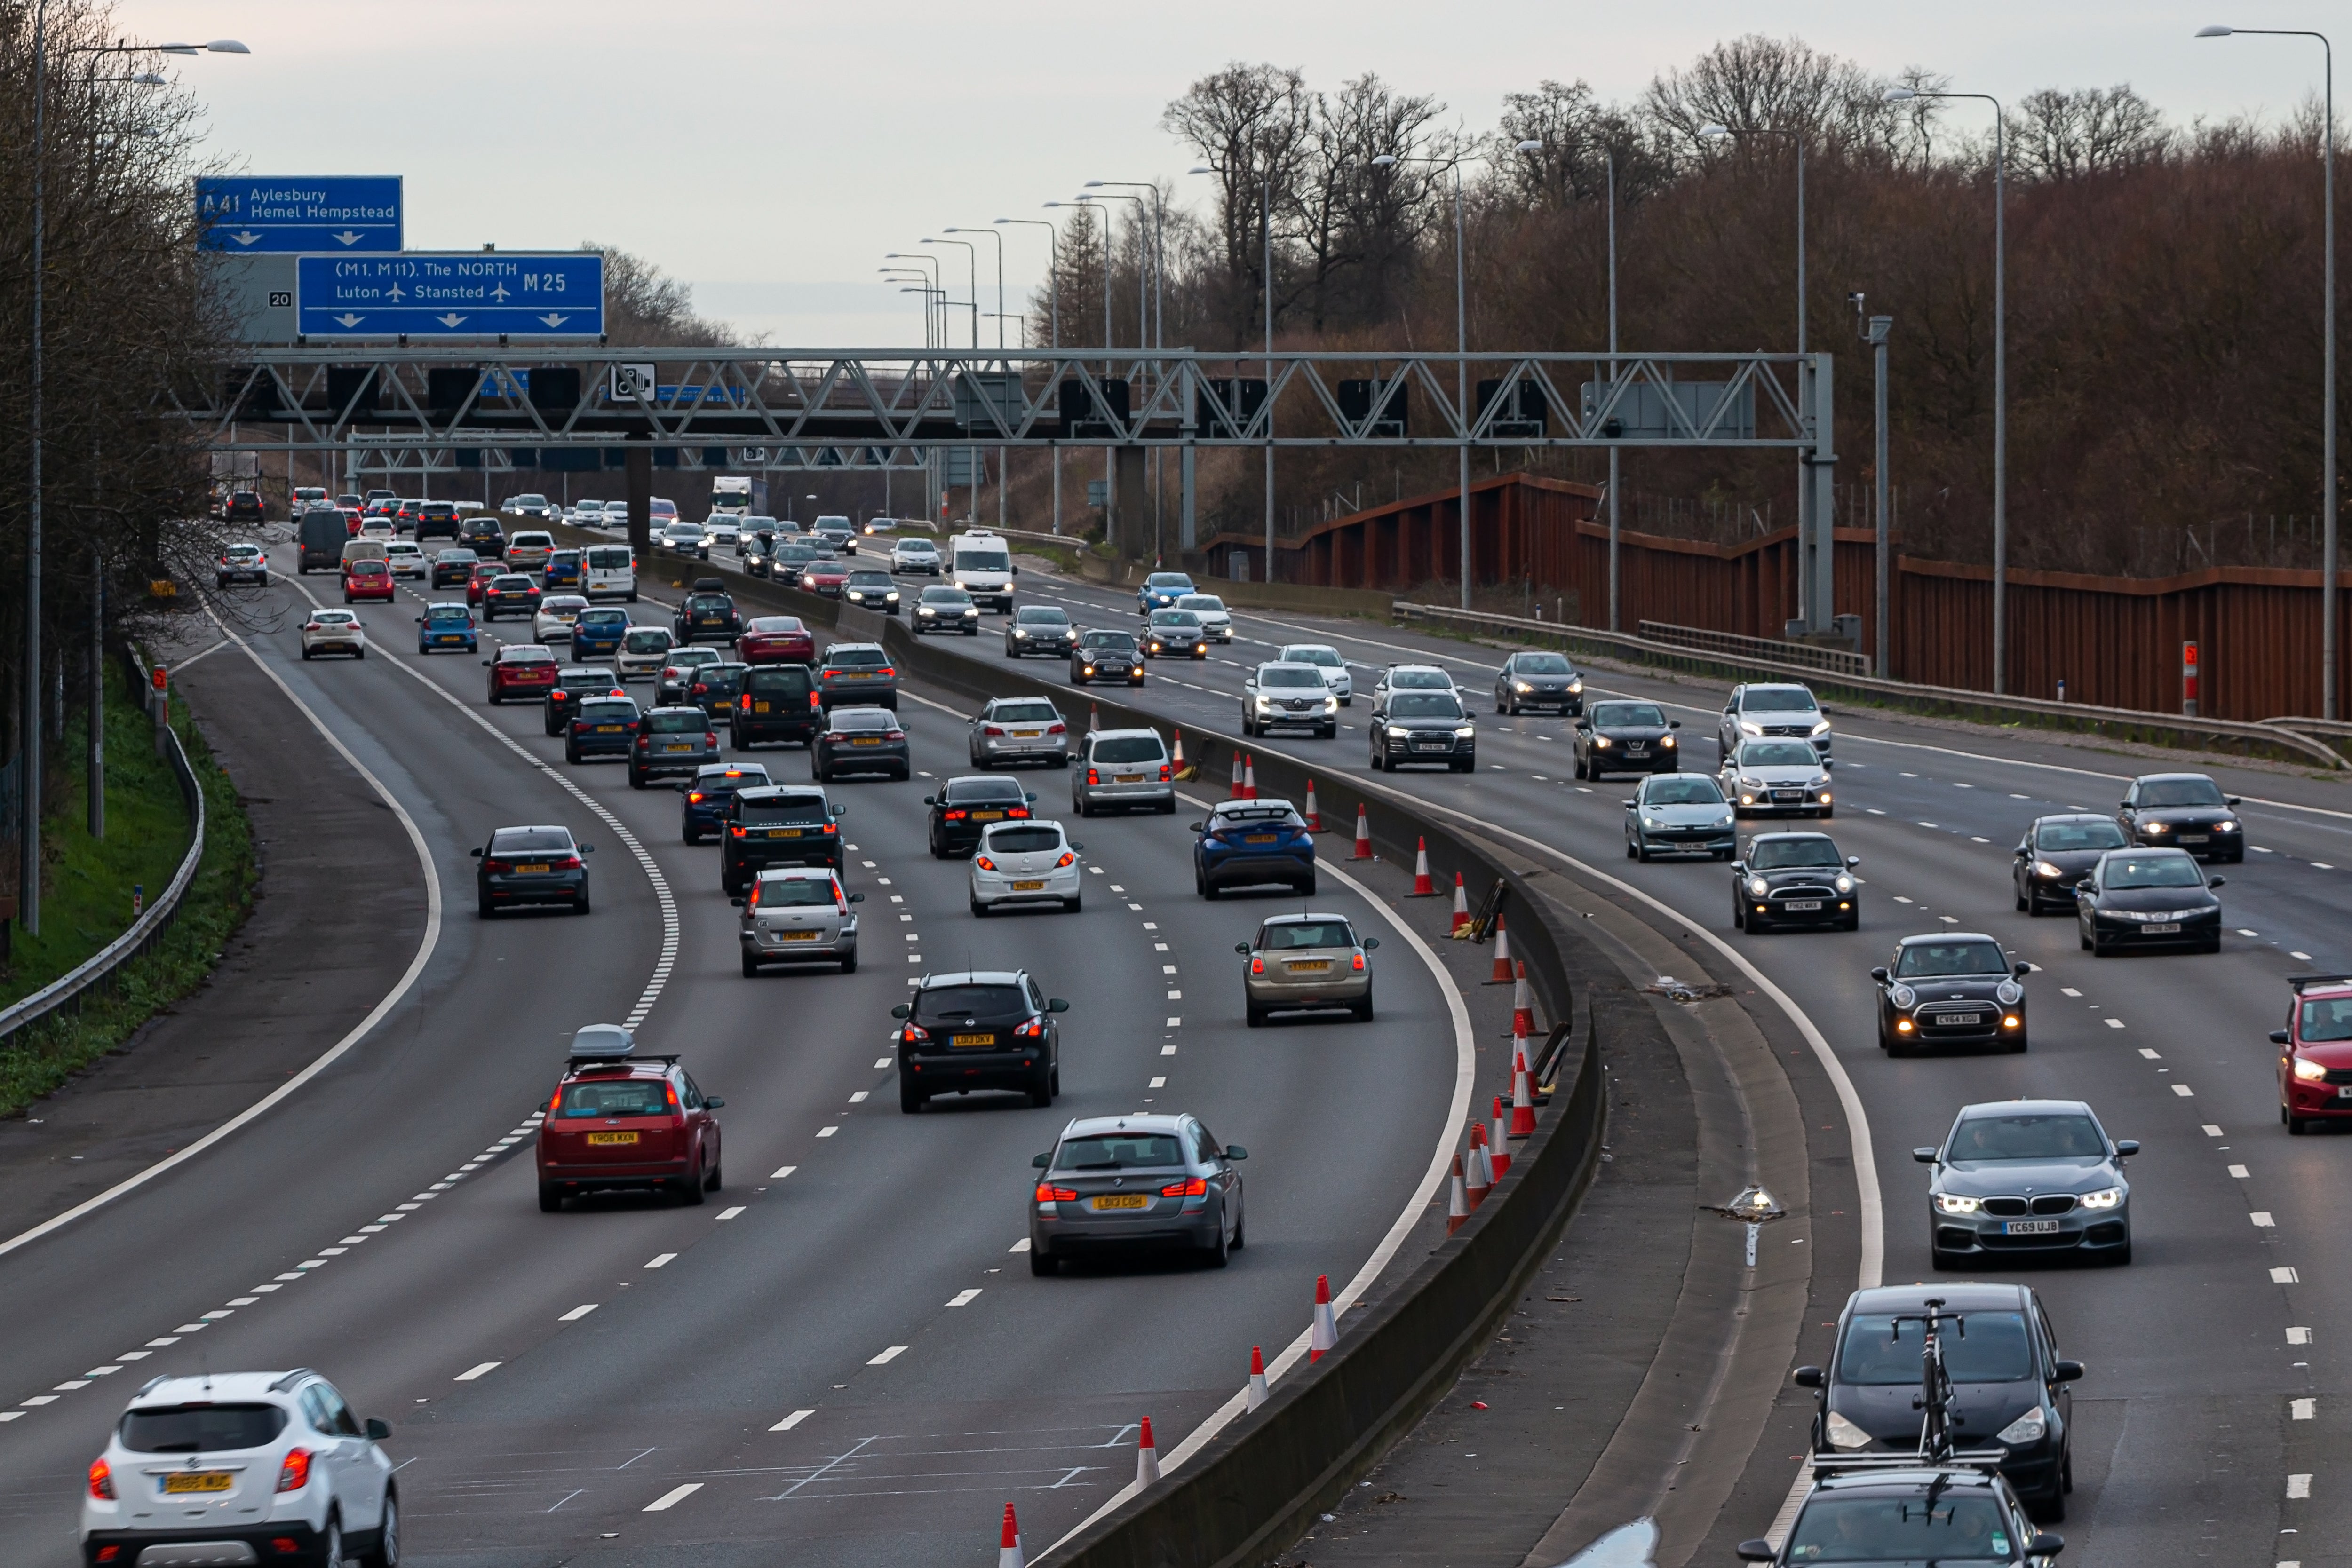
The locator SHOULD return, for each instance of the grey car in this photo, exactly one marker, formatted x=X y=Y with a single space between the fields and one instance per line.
x=1772 y=712
x=1776 y=779
x=2019 y=1176
x=1411 y=726
x=941 y=608
x=1039 y=629
x=871 y=588
x=1175 y=633
x=1305 y=961
x=674 y=680
x=1289 y=694
x=1020 y=729
x=1136 y=1184
x=1679 y=814
x=859 y=674
x=798 y=915
x=1123 y=768
x=1105 y=657
x=1538 y=680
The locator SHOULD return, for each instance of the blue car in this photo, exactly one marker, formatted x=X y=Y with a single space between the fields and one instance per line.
x=597 y=633
x=1253 y=844
x=1162 y=589
x=446 y=628
x=705 y=798
x=600 y=726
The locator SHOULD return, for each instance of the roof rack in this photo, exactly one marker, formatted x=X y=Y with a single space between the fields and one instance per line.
x=1987 y=1459
x=2300 y=981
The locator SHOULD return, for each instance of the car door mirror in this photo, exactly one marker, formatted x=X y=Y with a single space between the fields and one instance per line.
x=1241 y=947
x=1629 y=805
x=2046 y=1544
x=1074 y=844
x=1041 y=1161
x=713 y=1103
x=587 y=849
x=927 y=801
x=1057 y=1004
x=856 y=898
x=378 y=1428
x=420 y=621
x=1371 y=942
x=1200 y=827
x=2217 y=882
x=2023 y=852
x=486 y=663
x=2065 y=1370
x=475 y=853
x=2020 y=970
x=1236 y=1152
x=1674 y=724
x=902 y=1011
x=2126 y=1147
x=735 y=901
x=1756 y=1551
x=1851 y=861
x=1806 y=1376
x=1879 y=975
x=1739 y=868
x=1925 y=1156
x=2278 y=1036
x=841 y=811
x=2233 y=799
x=1031 y=800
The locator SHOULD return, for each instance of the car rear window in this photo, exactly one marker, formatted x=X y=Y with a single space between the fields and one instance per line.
x=1979 y=1347
x=780 y=681
x=669 y=721
x=646 y=641
x=977 y=1003
x=526 y=654
x=1026 y=713
x=722 y=678
x=692 y=655
x=1278 y=813
x=728 y=780
x=961 y=791
x=201 y=1428
x=530 y=841
x=614 y=1097
x=788 y=811
x=603 y=617
x=861 y=718
x=608 y=710
x=1024 y=840
x=1120 y=1152
x=795 y=892
x=1306 y=934
x=1130 y=748
x=449 y=612
x=776 y=625
x=513 y=583
x=609 y=557
x=856 y=658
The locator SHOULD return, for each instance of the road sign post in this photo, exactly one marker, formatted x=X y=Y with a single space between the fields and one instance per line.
x=247 y=215
x=445 y=295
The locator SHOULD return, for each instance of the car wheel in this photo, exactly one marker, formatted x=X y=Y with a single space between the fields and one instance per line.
x=1851 y=922
x=550 y=1197
x=1378 y=764
x=571 y=756
x=386 y=1552
x=849 y=964
x=1579 y=767
x=1363 y=1010
x=483 y=906
x=978 y=910
x=1215 y=1254
x=1071 y=905
x=1253 y=1015
x=306 y=653
x=1739 y=915
x=1078 y=804
x=2082 y=937
x=751 y=966
x=1940 y=1258
x=580 y=904
x=910 y=1099
x=2028 y=907
x=1042 y=1265
x=637 y=779
x=2297 y=1126
x=2121 y=1257
x=1826 y=813
x=690 y=1190
x=718 y=1182
x=1040 y=1090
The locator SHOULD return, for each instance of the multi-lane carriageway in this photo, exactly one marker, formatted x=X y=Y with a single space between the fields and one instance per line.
x=631 y=1376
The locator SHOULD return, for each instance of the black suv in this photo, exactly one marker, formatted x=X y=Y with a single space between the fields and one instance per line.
x=709 y=614
x=437 y=520
x=1794 y=879
x=988 y=1028
x=777 y=702
x=573 y=683
x=782 y=825
x=479 y=533
x=245 y=507
x=963 y=811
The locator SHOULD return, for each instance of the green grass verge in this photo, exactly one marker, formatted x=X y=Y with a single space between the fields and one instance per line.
x=87 y=901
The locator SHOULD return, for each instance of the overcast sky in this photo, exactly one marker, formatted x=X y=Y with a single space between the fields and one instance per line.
x=771 y=154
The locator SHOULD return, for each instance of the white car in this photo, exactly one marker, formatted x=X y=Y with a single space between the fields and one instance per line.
x=643 y=650
x=1327 y=659
x=1026 y=862
x=552 y=622
x=1410 y=678
x=406 y=559
x=915 y=554
x=376 y=528
x=1778 y=778
x=1214 y=617
x=1773 y=712
x=591 y=514
x=723 y=530
x=334 y=631
x=528 y=549
x=241 y=1467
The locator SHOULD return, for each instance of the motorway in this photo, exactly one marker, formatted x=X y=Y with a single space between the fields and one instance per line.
x=841 y=1359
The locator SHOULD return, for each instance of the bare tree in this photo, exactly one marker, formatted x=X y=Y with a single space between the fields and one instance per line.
x=1755 y=83
x=2054 y=134
x=1578 y=137
x=1251 y=124
x=643 y=304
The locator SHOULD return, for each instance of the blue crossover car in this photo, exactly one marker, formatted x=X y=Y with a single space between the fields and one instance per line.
x=1162 y=589
x=597 y=633
x=446 y=628
x=1249 y=844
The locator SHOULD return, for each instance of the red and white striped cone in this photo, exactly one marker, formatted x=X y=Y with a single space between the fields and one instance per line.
x=1325 y=1335
x=1457 y=1201
x=1179 y=763
x=1147 y=1457
x=1523 y=1103
x=1258 y=1394
x=1008 y=1554
x=1479 y=1176
x=1423 y=886
x=1461 y=907
x=1233 y=791
x=1523 y=1003
x=1363 y=834
x=1249 y=778
x=1313 y=812
x=1499 y=1151
x=1093 y=718
x=1503 y=975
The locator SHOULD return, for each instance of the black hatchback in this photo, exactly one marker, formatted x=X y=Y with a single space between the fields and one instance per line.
x=778 y=703
x=2055 y=853
x=1794 y=879
x=600 y=726
x=526 y=866
x=2148 y=898
x=964 y=809
x=715 y=686
x=2183 y=810
x=574 y=684
x=1626 y=738
x=1950 y=988
x=782 y=825
x=709 y=614
x=980 y=1030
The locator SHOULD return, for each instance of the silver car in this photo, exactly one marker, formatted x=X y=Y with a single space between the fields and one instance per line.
x=1122 y=767
x=1678 y=814
x=1276 y=694
x=1776 y=779
x=1215 y=619
x=1325 y=658
x=1305 y=961
x=798 y=915
x=1026 y=862
x=1020 y=729
x=2028 y=1175
x=1767 y=713
x=643 y=650
x=1409 y=678
x=1136 y=1183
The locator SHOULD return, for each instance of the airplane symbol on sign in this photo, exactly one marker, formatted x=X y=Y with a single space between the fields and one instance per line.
x=499 y=293
x=347 y=237
x=395 y=294
x=555 y=320
x=346 y=320
x=243 y=238
x=449 y=320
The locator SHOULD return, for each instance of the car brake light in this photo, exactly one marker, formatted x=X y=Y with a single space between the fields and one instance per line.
x=1067 y=859
x=709 y=738
x=1018 y=811
x=496 y=866
x=1163 y=773
x=1058 y=728
x=101 y=1480
x=736 y=832
x=956 y=816
x=1196 y=1187
x=983 y=862
x=556 y=695
x=671 y=1089
x=914 y=1034
x=694 y=796
x=829 y=828
x=1048 y=1193
x=813 y=702
x=991 y=730
x=1092 y=777
x=896 y=735
x=885 y=670
x=699 y=688
x=295 y=1473
x=1258 y=966
x=1359 y=963
x=569 y=862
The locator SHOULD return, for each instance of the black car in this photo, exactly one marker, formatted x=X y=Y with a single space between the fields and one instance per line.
x=2148 y=898
x=479 y=533
x=1532 y=682
x=857 y=674
x=600 y=726
x=705 y=799
x=782 y=825
x=1953 y=987
x=754 y=547
x=786 y=559
x=574 y=683
x=509 y=594
x=2055 y=853
x=871 y=589
x=439 y=519
x=453 y=566
x=1794 y=879
x=245 y=507
x=673 y=683
x=1419 y=725
x=2010 y=1386
x=1039 y=629
x=941 y=608
x=1626 y=738
x=522 y=866
x=979 y=1030
x=1882 y=1516
x=2184 y=809
x=670 y=740
x=715 y=687
x=963 y=809
x=709 y=614
x=860 y=740
x=1105 y=657
x=778 y=703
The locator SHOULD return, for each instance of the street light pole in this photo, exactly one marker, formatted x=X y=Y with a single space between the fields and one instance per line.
x=1003 y=454
x=972 y=290
x=1609 y=163
x=1053 y=292
x=2327 y=508
x=1158 y=322
x=1265 y=238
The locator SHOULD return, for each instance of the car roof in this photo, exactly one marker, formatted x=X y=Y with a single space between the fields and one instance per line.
x=775 y=793
x=1124 y=734
x=1302 y=918
x=852 y=647
x=1904 y=1482
x=1950 y=936
x=678 y=707
x=715 y=769
x=1961 y=1297
x=976 y=978
x=1134 y=1122
x=2164 y=778
x=2149 y=851
x=2074 y=817
x=798 y=873
x=1985 y=1108
x=1779 y=833
x=220 y=1388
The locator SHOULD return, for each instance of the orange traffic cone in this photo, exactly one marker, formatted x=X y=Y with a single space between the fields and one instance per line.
x=1363 y=834
x=1313 y=812
x=1325 y=1335
x=1499 y=1151
x=1502 y=976
x=1479 y=1176
x=1233 y=791
x=1257 y=1377
x=1179 y=763
x=1523 y=1003
x=1147 y=1457
x=1093 y=718
x=1523 y=1109
x=1461 y=907
x=1249 y=778
x=1008 y=1554
x=1423 y=887
x=1457 y=1202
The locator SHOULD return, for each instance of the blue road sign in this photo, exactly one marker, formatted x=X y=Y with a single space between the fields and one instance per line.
x=451 y=294
x=248 y=214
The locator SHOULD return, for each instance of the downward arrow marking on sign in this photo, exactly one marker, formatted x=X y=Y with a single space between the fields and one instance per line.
x=346 y=237
x=554 y=320
x=243 y=238
x=348 y=319
x=449 y=320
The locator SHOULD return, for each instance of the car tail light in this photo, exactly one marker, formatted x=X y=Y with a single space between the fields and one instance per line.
x=1163 y=773
x=915 y=1034
x=1198 y=1187
x=295 y=1473
x=644 y=740
x=694 y=797
x=1068 y=859
x=1018 y=811
x=710 y=739
x=1058 y=728
x=736 y=832
x=1258 y=966
x=699 y=688
x=671 y=1089
x=101 y=1480
x=1048 y=1193
x=829 y=828
x=556 y=695
x=495 y=866
x=885 y=670
x=813 y=702
x=983 y=862
x=1092 y=777
x=955 y=816
x=985 y=730
x=110 y=1553
x=569 y=862
x=1032 y=1029
x=1359 y=963
x=896 y=735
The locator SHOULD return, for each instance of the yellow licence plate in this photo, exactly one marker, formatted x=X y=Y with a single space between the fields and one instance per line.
x=797 y=936
x=865 y=740
x=973 y=1040
x=530 y=870
x=1027 y=734
x=1127 y=778
x=602 y=1139
x=988 y=816
x=1296 y=965
x=1123 y=1200
x=760 y=707
x=1257 y=838
x=198 y=1481
x=608 y=729
x=783 y=832
x=1028 y=886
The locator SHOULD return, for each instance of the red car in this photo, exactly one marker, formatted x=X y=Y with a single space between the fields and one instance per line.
x=367 y=580
x=2314 y=1070
x=509 y=594
x=522 y=670
x=351 y=518
x=480 y=582
x=826 y=577
x=776 y=640
x=618 y=1121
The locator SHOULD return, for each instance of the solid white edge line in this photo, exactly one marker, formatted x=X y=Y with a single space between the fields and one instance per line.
x=333 y=1053
x=1465 y=1069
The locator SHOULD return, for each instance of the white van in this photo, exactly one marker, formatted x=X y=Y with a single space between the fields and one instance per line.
x=980 y=563
x=609 y=571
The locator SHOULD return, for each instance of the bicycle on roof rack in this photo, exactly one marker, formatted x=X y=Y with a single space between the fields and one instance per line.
x=1934 y=1402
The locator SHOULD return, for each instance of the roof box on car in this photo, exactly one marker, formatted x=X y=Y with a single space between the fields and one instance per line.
x=603 y=1042
x=709 y=585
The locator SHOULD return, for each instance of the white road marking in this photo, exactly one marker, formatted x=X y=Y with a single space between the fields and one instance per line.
x=828 y=1132
x=471 y=1373
x=2298 y=1336
x=964 y=1298
x=782 y=1172
x=2116 y=1023
x=2145 y=1052
x=2184 y=1090
x=2321 y=865
x=2211 y=1131
x=892 y=1355
x=858 y=1098
x=1175 y=995
x=2303 y=1409
x=881 y=1063
x=1157 y=1083
x=576 y=1313
x=1019 y=1246
x=2243 y=931
x=1167 y=1051
x=2286 y=1277
x=1900 y=899
x=2304 y=957
x=661 y=1260
x=2068 y=991
x=1173 y=1023
x=2298 y=1486
x=2239 y=1171
x=2262 y=1218
x=673 y=1496
x=729 y=1213
x=792 y=1420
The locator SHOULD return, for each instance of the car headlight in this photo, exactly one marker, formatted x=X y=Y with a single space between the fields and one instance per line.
x=1748 y=728
x=1465 y=732
x=1902 y=996
x=891 y=597
x=927 y=610
x=1600 y=743
x=2043 y=868
x=2310 y=1071
x=1330 y=704
x=2010 y=992
x=1397 y=734
x=2155 y=827
x=1667 y=740
x=1758 y=887
x=1845 y=885
x=1576 y=687
x=1843 y=1434
x=1956 y=1203
x=1821 y=726
x=1521 y=686
x=2225 y=827
x=1649 y=821
x=2030 y=1427
x=1821 y=783
x=1018 y=636
x=2106 y=1197
x=1752 y=783
x=1725 y=820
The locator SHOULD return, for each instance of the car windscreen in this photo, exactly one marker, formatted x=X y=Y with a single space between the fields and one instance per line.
x=869 y=580
x=1979 y=1347
x=2179 y=792
x=1628 y=716
x=784 y=811
x=982 y=561
x=954 y=597
x=1779 y=699
x=2028 y=1135
x=1024 y=713
x=2089 y=833
x=613 y=1097
x=1295 y=675
x=530 y=841
x=1107 y=641
x=608 y=711
x=1183 y=618
x=973 y=1003
x=1926 y=960
x=1543 y=664
x=1122 y=749
x=2151 y=871
x=779 y=681
x=796 y=555
x=646 y=641
x=1024 y=840
x=671 y=721
x=2326 y=1019
x=1698 y=790
x=1118 y=1152
x=1773 y=854
x=201 y=1428
x=1305 y=934
x=796 y=893
x=1166 y=580
x=1423 y=705
x=1881 y=1529
x=855 y=658
x=1778 y=754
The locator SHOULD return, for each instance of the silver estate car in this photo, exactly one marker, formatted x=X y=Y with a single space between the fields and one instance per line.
x=1122 y=767
x=1020 y=729
x=798 y=915
x=1303 y=961
x=1136 y=1184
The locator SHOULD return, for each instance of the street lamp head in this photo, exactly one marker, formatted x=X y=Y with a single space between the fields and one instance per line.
x=226 y=46
x=1199 y=169
x=1529 y=147
x=1094 y=184
x=1385 y=161
x=1053 y=204
x=2215 y=31
x=1714 y=132
x=1898 y=95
